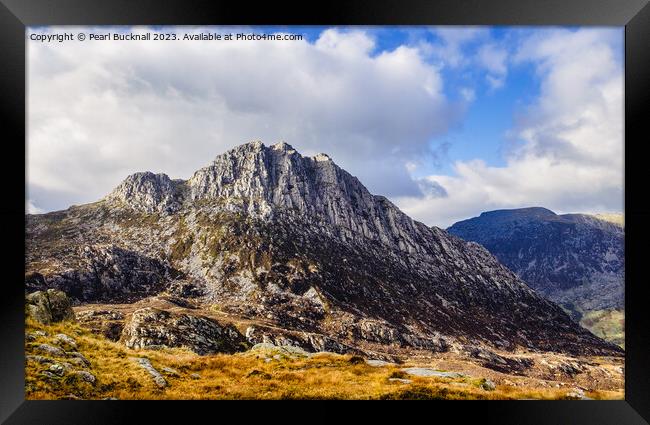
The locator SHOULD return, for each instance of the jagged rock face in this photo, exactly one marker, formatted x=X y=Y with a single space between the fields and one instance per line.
x=261 y=180
x=267 y=235
x=575 y=259
x=107 y=272
x=150 y=327
x=149 y=192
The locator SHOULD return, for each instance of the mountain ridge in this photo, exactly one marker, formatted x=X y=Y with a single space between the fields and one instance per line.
x=264 y=233
x=576 y=260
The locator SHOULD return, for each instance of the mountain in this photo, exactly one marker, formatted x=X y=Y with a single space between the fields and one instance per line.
x=576 y=260
x=298 y=252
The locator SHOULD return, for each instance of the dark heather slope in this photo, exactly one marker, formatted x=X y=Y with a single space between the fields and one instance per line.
x=576 y=260
x=298 y=244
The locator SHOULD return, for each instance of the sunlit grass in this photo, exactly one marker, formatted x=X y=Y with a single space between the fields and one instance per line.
x=247 y=375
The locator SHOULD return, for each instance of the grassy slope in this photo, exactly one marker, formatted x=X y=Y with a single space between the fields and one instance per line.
x=245 y=376
x=607 y=324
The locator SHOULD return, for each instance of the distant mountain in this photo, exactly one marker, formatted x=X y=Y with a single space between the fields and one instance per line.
x=301 y=250
x=576 y=260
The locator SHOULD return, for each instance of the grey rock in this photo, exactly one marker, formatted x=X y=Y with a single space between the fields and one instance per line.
x=424 y=371
x=78 y=358
x=77 y=362
x=278 y=352
x=195 y=376
x=85 y=376
x=50 y=350
x=149 y=192
x=49 y=306
x=57 y=369
x=491 y=360
x=66 y=341
x=488 y=385
x=38 y=359
x=150 y=327
x=49 y=375
x=378 y=363
x=158 y=379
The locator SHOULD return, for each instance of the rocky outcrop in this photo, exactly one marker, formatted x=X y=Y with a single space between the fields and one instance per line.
x=49 y=306
x=107 y=323
x=153 y=328
x=309 y=342
x=106 y=272
x=158 y=379
x=262 y=180
x=149 y=192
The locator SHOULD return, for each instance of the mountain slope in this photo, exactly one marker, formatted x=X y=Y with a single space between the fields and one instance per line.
x=577 y=260
x=299 y=247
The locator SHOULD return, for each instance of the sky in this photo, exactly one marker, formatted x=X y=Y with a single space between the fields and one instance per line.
x=447 y=122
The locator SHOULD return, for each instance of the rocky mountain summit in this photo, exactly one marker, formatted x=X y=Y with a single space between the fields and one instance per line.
x=292 y=249
x=576 y=260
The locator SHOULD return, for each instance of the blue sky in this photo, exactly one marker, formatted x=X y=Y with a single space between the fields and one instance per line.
x=446 y=121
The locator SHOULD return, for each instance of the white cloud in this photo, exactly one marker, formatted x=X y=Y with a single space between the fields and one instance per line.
x=472 y=50
x=493 y=58
x=98 y=111
x=31 y=208
x=450 y=49
x=569 y=155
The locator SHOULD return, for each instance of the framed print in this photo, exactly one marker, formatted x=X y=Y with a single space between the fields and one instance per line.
x=397 y=201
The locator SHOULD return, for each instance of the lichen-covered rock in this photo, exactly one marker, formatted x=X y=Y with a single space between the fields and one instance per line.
x=151 y=327
x=50 y=350
x=65 y=341
x=488 y=385
x=49 y=306
x=158 y=379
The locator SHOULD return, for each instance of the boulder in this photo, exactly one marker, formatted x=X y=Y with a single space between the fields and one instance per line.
x=151 y=327
x=49 y=306
x=78 y=358
x=50 y=350
x=488 y=385
x=425 y=371
x=157 y=377
x=65 y=341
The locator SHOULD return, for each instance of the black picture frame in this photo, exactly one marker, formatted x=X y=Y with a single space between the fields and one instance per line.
x=15 y=15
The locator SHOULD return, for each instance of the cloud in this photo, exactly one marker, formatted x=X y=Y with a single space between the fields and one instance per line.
x=493 y=58
x=31 y=208
x=98 y=111
x=568 y=151
x=472 y=50
x=449 y=50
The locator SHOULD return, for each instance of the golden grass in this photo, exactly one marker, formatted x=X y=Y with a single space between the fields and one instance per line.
x=245 y=376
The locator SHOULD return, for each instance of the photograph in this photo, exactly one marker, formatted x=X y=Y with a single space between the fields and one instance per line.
x=350 y=212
